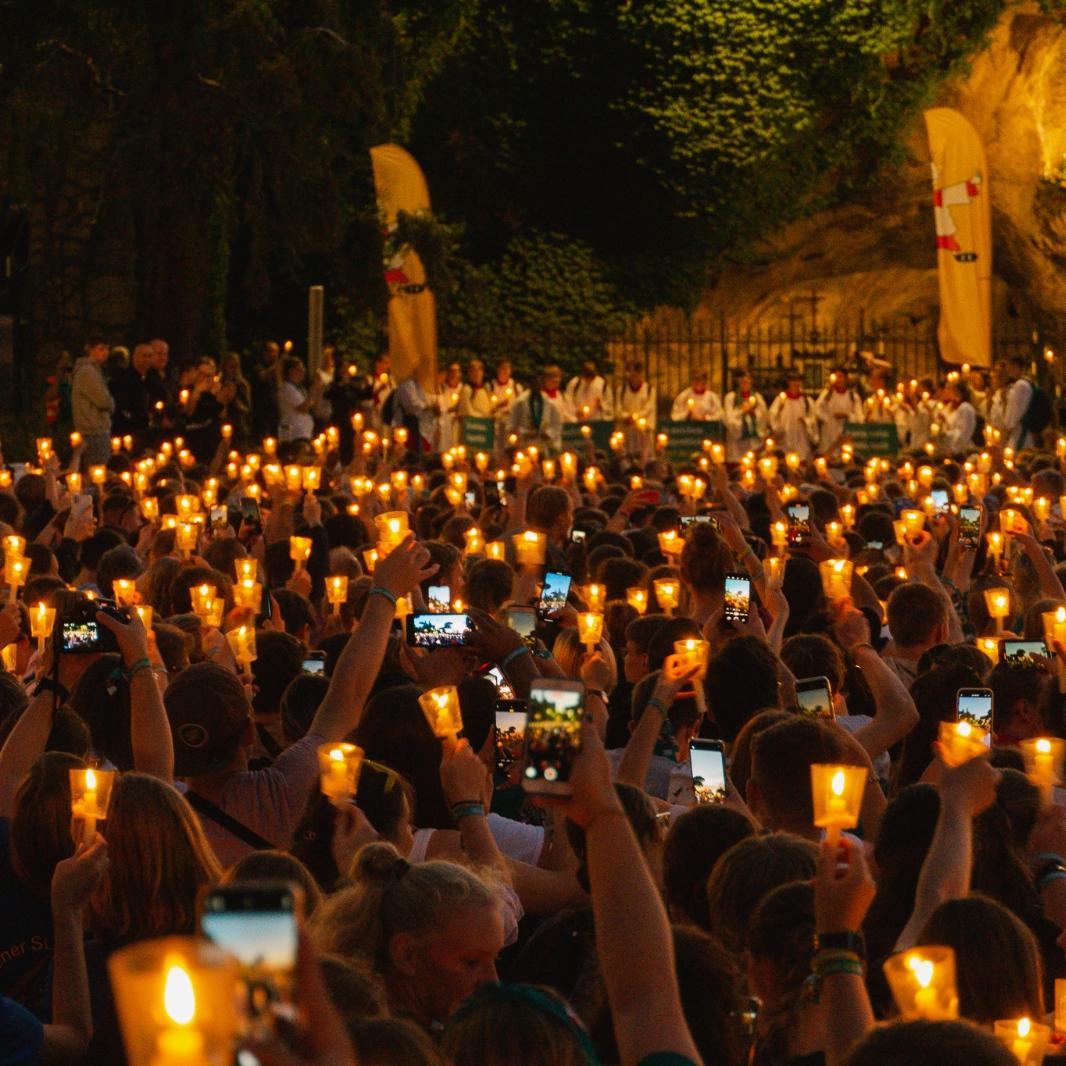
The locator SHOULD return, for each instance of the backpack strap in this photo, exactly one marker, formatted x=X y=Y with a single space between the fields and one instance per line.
x=206 y=809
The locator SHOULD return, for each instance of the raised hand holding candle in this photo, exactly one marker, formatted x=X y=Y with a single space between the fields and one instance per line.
x=125 y=591
x=246 y=569
x=837 y=794
x=913 y=522
x=338 y=767
x=922 y=980
x=186 y=535
x=962 y=741
x=693 y=653
x=248 y=594
x=242 y=644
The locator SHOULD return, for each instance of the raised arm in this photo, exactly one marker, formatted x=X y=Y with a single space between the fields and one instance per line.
x=965 y=791
x=67 y=1037
x=633 y=768
x=632 y=930
x=151 y=740
x=843 y=892
x=358 y=664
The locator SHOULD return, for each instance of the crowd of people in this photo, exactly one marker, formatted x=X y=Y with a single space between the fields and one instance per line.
x=114 y=393
x=209 y=588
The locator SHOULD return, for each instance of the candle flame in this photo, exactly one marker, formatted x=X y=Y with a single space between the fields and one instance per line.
x=1060 y=615
x=922 y=970
x=337 y=755
x=838 y=783
x=1024 y=1025
x=90 y=781
x=964 y=729
x=179 y=1000
x=1043 y=746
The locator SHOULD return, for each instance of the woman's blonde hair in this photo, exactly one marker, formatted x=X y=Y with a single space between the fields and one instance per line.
x=391 y=896
x=569 y=652
x=160 y=860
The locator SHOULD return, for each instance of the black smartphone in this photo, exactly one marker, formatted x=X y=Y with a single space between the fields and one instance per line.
x=437 y=630
x=553 y=593
x=698 y=519
x=315 y=663
x=814 y=698
x=707 y=759
x=553 y=734
x=257 y=923
x=974 y=705
x=250 y=515
x=510 y=737
x=1023 y=654
x=438 y=599
x=737 y=597
x=799 y=523
x=970 y=526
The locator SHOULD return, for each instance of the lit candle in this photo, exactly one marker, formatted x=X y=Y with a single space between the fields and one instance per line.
x=1027 y=1040
x=530 y=548
x=441 y=708
x=495 y=549
x=962 y=741
x=847 y=515
x=923 y=983
x=337 y=591
x=667 y=592
x=299 y=551
x=125 y=590
x=75 y=439
x=595 y=596
x=475 y=542
x=836 y=578
x=692 y=652
x=339 y=765
x=997 y=602
x=90 y=794
x=1043 y=764
x=837 y=795
x=42 y=619
x=590 y=628
x=186 y=535
x=671 y=542
x=637 y=598
x=913 y=522
x=248 y=593
x=16 y=567
x=145 y=612
x=774 y=570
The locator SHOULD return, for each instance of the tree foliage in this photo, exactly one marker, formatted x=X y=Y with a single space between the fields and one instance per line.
x=669 y=133
x=182 y=164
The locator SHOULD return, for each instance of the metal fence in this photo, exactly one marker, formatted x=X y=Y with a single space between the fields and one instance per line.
x=766 y=349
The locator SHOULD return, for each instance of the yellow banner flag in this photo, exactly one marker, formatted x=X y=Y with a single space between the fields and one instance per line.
x=401 y=186
x=963 y=238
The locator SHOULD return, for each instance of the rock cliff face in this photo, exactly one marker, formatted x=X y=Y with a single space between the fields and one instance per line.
x=879 y=254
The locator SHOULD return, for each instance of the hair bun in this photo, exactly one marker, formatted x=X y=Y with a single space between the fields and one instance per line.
x=378 y=862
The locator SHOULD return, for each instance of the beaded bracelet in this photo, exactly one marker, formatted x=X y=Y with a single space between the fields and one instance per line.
x=378 y=590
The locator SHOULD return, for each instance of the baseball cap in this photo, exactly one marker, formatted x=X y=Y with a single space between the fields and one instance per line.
x=208 y=712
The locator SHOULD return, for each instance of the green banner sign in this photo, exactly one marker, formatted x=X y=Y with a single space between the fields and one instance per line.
x=479 y=433
x=687 y=437
x=601 y=435
x=873 y=438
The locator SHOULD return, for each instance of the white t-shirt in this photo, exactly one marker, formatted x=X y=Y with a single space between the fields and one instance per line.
x=516 y=840
x=293 y=424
